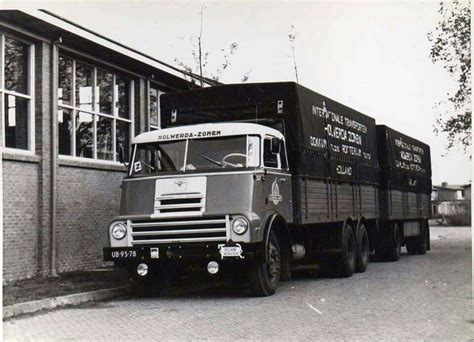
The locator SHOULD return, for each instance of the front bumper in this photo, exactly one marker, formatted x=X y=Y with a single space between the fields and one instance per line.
x=192 y=253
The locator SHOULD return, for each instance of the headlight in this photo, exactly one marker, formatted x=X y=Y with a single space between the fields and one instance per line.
x=240 y=225
x=119 y=230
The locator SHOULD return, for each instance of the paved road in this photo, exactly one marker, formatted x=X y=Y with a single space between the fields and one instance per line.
x=418 y=298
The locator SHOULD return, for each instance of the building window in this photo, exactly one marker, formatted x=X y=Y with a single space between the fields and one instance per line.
x=154 y=106
x=94 y=111
x=16 y=93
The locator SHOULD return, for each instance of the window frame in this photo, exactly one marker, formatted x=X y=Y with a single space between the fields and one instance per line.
x=283 y=145
x=150 y=85
x=185 y=157
x=30 y=97
x=95 y=112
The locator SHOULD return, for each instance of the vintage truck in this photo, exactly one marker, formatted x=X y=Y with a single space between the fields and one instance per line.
x=262 y=177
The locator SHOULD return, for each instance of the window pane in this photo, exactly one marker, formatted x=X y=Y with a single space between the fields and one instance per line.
x=16 y=122
x=104 y=85
x=84 y=135
x=123 y=94
x=123 y=139
x=253 y=151
x=16 y=66
x=84 y=83
x=104 y=138
x=269 y=158
x=65 y=81
x=65 y=131
x=154 y=106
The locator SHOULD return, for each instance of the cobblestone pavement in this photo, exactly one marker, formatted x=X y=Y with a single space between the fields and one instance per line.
x=417 y=298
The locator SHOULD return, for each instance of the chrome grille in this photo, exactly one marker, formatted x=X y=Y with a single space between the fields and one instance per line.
x=182 y=230
x=179 y=204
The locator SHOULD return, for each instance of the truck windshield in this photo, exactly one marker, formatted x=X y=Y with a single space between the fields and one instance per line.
x=196 y=154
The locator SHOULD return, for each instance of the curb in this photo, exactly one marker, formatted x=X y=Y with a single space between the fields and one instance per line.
x=55 y=302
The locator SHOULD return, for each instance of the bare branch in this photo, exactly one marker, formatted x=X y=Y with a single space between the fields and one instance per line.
x=292 y=39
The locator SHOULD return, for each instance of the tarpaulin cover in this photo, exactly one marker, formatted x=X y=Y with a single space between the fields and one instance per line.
x=405 y=161
x=325 y=138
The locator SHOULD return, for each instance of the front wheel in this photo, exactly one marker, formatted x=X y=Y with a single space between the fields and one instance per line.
x=264 y=276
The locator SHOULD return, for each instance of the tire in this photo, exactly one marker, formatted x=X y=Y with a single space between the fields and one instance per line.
x=285 y=274
x=393 y=253
x=265 y=275
x=344 y=264
x=363 y=250
x=411 y=245
x=423 y=239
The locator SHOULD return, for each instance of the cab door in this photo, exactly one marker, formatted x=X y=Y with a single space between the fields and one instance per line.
x=277 y=184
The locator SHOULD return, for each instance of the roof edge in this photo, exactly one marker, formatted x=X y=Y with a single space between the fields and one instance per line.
x=95 y=37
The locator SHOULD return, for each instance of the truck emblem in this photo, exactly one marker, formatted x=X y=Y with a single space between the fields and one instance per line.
x=275 y=196
x=180 y=184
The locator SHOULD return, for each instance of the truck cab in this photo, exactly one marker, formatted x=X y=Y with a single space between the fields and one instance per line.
x=203 y=194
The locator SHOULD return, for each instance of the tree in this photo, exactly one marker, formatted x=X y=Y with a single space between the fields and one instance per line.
x=199 y=73
x=452 y=48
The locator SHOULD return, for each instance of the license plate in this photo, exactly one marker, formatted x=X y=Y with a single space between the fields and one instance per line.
x=230 y=251
x=124 y=254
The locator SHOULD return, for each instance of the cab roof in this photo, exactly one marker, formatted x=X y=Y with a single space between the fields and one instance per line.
x=202 y=131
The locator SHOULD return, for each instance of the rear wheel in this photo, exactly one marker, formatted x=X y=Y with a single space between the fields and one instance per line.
x=419 y=244
x=265 y=275
x=344 y=264
x=363 y=252
x=390 y=249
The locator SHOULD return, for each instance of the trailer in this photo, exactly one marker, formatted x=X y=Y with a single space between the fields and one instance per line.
x=405 y=189
x=269 y=176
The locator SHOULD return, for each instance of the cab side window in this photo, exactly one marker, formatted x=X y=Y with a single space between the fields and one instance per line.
x=270 y=159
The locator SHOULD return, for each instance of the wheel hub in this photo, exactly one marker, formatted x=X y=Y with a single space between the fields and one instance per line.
x=273 y=260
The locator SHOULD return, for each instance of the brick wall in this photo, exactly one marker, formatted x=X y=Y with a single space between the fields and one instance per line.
x=88 y=193
x=87 y=199
x=20 y=219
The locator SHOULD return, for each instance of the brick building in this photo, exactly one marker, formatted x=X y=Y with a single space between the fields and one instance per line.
x=70 y=99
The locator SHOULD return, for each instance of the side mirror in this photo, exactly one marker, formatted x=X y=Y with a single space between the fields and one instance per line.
x=275 y=145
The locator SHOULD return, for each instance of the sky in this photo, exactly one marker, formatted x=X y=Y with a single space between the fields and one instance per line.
x=371 y=56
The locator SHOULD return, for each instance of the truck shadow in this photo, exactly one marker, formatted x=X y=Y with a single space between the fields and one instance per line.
x=222 y=287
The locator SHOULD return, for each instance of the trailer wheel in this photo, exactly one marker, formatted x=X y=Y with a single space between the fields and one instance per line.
x=423 y=239
x=346 y=262
x=411 y=245
x=393 y=253
x=363 y=252
x=265 y=275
